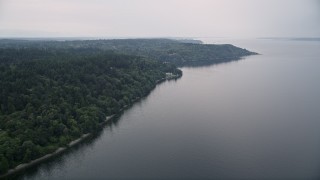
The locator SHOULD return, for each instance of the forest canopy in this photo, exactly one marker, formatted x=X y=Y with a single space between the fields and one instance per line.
x=51 y=97
x=178 y=52
x=52 y=92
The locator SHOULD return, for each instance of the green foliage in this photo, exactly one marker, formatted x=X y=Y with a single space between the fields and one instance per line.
x=49 y=97
x=4 y=165
x=52 y=92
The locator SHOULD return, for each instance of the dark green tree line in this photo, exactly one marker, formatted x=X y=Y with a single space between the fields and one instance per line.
x=50 y=97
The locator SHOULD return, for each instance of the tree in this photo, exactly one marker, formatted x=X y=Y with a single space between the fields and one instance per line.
x=4 y=165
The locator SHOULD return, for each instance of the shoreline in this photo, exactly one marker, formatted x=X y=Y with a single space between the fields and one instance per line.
x=60 y=150
x=75 y=142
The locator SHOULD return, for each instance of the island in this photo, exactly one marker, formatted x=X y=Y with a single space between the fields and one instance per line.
x=56 y=93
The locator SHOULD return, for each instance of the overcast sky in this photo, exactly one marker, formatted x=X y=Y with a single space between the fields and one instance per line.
x=160 y=18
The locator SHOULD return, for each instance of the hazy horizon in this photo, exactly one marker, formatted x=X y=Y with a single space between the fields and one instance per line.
x=166 y=18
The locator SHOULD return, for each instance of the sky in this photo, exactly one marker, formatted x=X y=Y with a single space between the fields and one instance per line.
x=160 y=18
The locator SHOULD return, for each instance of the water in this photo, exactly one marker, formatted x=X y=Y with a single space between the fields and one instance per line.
x=254 y=118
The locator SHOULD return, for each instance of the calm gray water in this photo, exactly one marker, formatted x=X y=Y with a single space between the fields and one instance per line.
x=254 y=118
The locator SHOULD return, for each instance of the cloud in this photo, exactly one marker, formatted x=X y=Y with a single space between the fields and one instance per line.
x=241 y=18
